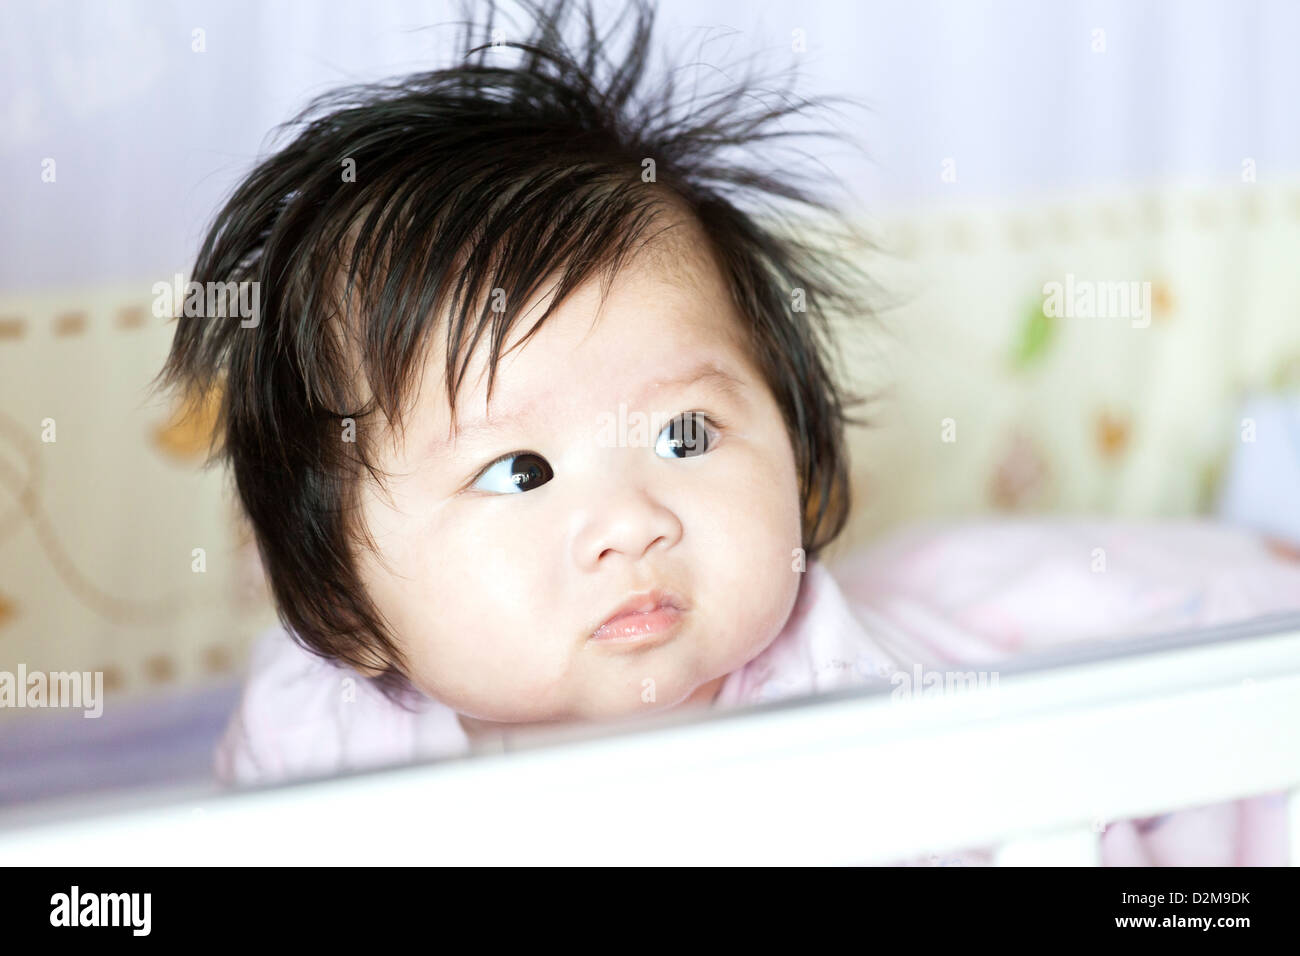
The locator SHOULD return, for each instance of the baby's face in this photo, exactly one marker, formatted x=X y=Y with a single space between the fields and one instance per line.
x=636 y=453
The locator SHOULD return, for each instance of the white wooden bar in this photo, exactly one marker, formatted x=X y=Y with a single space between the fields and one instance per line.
x=1078 y=847
x=1027 y=768
x=1293 y=824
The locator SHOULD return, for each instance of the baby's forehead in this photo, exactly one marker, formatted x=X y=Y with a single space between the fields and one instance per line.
x=643 y=352
x=648 y=313
x=653 y=317
x=535 y=384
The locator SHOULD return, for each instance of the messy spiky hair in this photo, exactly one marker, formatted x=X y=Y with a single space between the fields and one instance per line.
x=423 y=195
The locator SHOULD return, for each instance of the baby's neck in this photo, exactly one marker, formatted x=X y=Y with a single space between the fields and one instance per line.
x=488 y=735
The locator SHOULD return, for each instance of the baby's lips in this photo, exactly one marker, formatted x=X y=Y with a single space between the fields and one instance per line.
x=643 y=602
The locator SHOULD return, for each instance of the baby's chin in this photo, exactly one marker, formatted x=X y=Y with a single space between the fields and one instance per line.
x=612 y=699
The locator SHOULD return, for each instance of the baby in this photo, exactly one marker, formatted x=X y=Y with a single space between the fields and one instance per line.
x=538 y=426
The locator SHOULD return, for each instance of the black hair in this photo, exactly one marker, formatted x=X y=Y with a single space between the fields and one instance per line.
x=422 y=195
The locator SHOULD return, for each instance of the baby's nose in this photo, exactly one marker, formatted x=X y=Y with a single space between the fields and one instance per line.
x=627 y=524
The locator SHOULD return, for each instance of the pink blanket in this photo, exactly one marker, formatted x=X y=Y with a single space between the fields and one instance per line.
x=988 y=590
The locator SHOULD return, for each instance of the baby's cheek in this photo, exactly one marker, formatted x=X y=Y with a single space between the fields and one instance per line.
x=750 y=553
x=762 y=500
x=505 y=662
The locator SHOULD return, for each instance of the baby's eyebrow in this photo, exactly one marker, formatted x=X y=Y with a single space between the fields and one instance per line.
x=705 y=373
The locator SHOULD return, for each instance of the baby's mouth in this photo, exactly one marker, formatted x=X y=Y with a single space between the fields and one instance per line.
x=641 y=619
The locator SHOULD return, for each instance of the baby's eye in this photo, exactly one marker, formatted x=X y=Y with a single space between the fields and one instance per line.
x=686 y=436
x=514 y=473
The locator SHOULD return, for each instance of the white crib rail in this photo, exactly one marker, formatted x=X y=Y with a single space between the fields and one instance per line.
x=1036 y=766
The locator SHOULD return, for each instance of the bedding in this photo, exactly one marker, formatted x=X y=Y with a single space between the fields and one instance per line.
x=156 y=740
